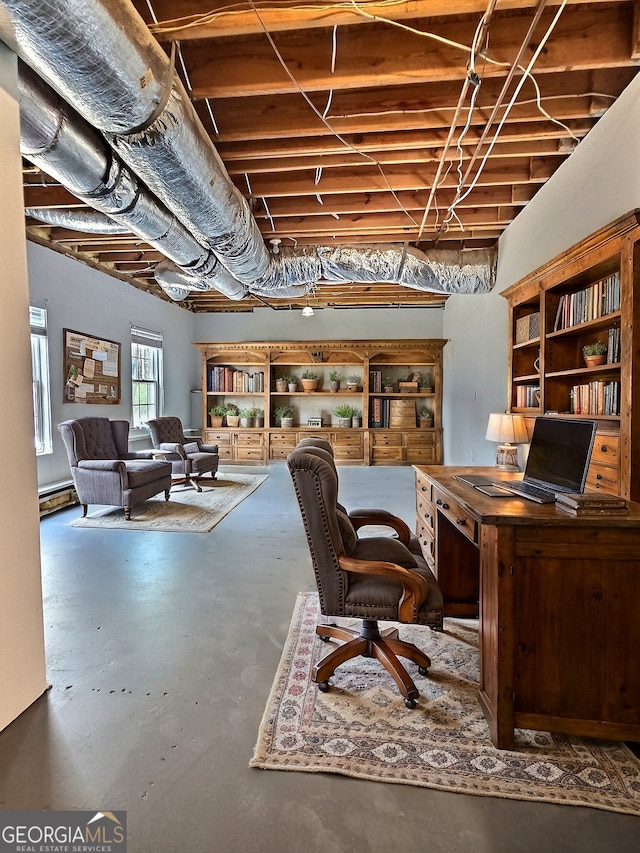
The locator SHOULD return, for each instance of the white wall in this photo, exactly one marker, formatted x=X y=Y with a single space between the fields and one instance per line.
x=80 y=298
x=22 y=674
x=597 y=184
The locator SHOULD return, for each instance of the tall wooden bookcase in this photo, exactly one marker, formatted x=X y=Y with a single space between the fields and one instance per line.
x=586 y=294
x=390 y=433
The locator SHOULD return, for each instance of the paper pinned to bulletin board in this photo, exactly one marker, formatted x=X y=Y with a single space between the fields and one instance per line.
x=91 y=369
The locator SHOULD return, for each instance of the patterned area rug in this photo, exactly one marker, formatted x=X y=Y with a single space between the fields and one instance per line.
x=187 y=510
x=362 y=728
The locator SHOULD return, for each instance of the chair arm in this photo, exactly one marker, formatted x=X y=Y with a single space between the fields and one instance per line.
x=102 y=465
x=208 y=448
x=172 y=447
x=363 y=517
x=414 y=587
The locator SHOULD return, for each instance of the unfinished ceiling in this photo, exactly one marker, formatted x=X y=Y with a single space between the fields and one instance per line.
x=421 y=123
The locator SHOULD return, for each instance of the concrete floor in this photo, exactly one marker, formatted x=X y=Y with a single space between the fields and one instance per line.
x=161 y=650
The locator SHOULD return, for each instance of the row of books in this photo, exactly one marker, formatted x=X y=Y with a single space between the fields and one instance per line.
x=527 y=396
x=229 y=379
x=595 y=301
x=379 y=412
x=595 y=398
x=375 y=381
x=591 y=503
x=613 y=346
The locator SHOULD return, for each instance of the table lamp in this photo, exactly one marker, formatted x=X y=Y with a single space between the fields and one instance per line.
x=509 y=431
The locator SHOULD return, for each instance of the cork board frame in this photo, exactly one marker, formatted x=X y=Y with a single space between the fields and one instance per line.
x=91 y=369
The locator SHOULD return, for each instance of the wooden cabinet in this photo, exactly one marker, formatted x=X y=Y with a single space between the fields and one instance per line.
x=589 y=294
x=399 y=423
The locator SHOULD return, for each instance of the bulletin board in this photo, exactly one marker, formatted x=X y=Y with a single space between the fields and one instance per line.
x=91 y=369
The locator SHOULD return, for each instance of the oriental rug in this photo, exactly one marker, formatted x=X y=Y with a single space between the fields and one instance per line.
x=362 y=728
x=187 y=510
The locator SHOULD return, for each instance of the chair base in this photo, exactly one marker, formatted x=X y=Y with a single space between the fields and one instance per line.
x=191 y=479
x=370 y=642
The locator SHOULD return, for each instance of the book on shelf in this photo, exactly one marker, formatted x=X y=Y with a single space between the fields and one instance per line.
x=595 y=398
x=597 y=300
x=591 y=500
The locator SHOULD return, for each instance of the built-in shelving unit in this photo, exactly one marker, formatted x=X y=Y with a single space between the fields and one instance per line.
x=587 y=294
x=390 y=431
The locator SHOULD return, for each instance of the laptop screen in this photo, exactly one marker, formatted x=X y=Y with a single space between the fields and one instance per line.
x=559 y=454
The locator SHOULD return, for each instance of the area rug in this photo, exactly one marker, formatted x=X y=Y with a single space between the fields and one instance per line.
x=187 y=510
x=362 y=728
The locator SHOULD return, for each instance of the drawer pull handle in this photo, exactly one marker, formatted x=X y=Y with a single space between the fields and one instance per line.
x=439 y=502
x=598 y=476
x=461 y=521
x=424 y=488
x=604 y=448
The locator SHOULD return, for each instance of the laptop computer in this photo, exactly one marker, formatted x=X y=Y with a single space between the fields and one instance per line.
x=558 y=459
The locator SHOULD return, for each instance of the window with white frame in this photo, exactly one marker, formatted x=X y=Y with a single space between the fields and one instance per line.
x=40 y=380
x=146 y=376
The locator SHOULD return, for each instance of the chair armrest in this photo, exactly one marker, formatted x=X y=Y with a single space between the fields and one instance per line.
x=102 y=465
x=172 y=447
x=363 y=517
x=414 y=587
x=208 y=448
x=138 y=454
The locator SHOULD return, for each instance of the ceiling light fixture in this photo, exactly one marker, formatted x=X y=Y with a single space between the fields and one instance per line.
x=275 y=245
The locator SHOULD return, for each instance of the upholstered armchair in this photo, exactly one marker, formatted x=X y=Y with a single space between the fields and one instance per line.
x=369 y=516
x=104 y=471
x=190 y=458
x=375 y=578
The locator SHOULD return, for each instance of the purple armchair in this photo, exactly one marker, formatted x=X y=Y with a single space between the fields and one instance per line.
x=104 y=471
x=190 y=458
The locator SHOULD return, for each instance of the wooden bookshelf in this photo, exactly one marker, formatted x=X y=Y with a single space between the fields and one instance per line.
x=587 y=294
x=390 y=431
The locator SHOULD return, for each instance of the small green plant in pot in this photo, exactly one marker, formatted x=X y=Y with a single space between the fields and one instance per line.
x=309 y=380
x=595 y=353
x=387 y=384
x=344 y=413
x=353 y=382
x=284 y=416
x=334 y=380
x=245 y=417
x=425 y=417
x=356 y=417
x=257 y=417
x=233 y=415
x=217 y=414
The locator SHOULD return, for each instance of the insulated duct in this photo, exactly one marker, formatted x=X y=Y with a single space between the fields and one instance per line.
x=100 y=56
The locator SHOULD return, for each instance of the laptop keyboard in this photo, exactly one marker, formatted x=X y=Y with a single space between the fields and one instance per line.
x=528 y=490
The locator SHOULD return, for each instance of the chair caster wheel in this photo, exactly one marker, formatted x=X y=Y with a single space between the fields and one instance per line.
x=410 y=703
x=423 y=670
x=323 y=638
x=323 y=685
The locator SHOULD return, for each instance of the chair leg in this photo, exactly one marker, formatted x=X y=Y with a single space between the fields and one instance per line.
x=127 y=513
x=370 y=642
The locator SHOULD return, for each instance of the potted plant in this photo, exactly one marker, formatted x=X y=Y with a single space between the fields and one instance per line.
x=425 y=418
x=292 y=384
x=284 y=417
x=233 y=415
x=281 y=383
x=334 y=380
x=594 y=354
x=424 y=382
x=353 y=383
x=309 y=380
x=344 y=413
x=217 y=414
x=356 y=417
x=387 y=384
x=257 y=417
x=245 y=417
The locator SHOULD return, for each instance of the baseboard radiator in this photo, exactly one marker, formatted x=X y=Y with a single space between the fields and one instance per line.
x=57 y=497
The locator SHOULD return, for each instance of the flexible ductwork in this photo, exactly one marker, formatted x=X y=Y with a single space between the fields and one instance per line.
x=90 y=221
x=100 y=56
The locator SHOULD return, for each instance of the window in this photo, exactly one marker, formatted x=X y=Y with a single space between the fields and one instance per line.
x=146 y=376
x=40 y=380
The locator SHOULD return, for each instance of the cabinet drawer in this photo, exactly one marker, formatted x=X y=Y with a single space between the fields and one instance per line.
x=249 y=453
x=283 y=439
x=279 y=452
x=348 y=438
x=420 y=439
x=606 y=448
x=427 y=544
x=423 y=488
x=348 y=453
x=217 y=436
x=422 y=455
x=247 y=439
x=386 y=439
x=224 y=451
x=391 y=454
x=456 y=514
x=604 y=478
x=425 y=514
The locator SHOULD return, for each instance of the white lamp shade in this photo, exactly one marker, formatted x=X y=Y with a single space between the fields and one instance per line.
x=507 y=429
x=307 y=311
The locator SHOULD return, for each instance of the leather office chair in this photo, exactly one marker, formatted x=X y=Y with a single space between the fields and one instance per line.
x=104 y=471
x=190 y=458
x=368 y=516
x=374 y=579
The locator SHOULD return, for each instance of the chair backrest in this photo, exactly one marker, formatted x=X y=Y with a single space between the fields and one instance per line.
x=167 y=429
x=316 y=487
x=94 y=438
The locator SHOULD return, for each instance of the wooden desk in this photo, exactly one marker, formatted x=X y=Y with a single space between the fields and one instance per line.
x=558 y=599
